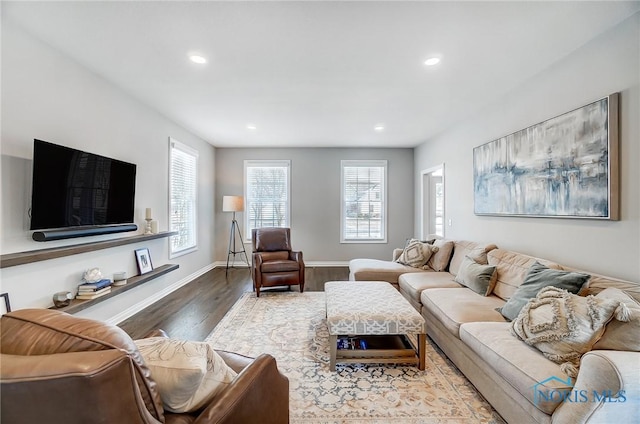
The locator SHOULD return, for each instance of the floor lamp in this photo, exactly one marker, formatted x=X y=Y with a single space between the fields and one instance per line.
x=234 y=204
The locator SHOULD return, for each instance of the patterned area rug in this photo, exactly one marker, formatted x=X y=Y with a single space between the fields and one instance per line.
x=291 y=326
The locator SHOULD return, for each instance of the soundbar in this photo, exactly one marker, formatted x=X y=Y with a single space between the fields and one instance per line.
x=73 y=232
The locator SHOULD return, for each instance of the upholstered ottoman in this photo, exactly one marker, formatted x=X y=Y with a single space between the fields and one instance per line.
x=381 y=316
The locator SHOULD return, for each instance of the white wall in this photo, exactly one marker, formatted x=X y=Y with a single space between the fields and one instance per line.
x=46 y=95
x=315 y=199
x=607 y=64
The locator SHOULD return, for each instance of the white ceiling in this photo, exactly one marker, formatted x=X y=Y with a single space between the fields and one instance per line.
x=317 y=73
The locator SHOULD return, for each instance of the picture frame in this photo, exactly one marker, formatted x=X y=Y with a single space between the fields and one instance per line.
x=143 y=259
x=564 y=167
x=6 y=305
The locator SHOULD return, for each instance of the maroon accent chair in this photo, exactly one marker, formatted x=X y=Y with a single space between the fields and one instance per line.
x=274 y=263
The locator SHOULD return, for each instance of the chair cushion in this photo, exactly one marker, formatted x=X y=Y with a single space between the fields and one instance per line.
x=188 y=373
x=280 y=266
x=272 y=239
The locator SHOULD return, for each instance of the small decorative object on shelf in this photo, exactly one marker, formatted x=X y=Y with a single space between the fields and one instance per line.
x=119 y=278
x=62 y=299
x=147 y=217
x=143 y=259
x=92 y=275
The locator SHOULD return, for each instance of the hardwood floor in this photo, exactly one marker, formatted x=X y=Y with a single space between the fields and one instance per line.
x=192 y=311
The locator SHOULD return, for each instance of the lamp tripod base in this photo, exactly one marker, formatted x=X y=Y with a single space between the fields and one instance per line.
x=232 y=245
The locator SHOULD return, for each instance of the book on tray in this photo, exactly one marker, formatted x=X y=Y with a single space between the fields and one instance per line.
x=92 y=291
x=96 y=285
x=93 y=295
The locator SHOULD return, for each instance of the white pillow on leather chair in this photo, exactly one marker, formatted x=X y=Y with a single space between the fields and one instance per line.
x=188 y=373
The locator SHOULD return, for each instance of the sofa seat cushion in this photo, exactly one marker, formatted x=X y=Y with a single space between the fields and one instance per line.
x=412 y=285
x=524 y=367
x=280 y=266
x=378 y=270
x=456 y=306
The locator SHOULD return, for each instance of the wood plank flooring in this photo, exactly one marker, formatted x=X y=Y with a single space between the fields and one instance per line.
x=192 y=311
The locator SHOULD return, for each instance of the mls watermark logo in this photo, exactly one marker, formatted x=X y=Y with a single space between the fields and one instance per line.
x=541 y=393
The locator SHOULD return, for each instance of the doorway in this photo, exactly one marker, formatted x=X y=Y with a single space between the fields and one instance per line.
x=432 y=202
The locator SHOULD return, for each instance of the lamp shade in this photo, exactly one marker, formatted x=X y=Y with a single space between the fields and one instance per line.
x=232 y=203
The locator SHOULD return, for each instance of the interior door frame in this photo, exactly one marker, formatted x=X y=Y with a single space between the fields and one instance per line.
x=425 y=198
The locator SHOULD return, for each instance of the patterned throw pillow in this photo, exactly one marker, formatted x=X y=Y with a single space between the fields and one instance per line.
x=416 y=253
x=188 y=374
x=564 y=326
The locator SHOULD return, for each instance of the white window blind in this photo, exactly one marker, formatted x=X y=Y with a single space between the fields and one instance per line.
x=183 y=184
x=267 y=192
x=364 y=210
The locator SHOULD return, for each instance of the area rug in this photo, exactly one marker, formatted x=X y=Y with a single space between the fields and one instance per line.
x=292 y=327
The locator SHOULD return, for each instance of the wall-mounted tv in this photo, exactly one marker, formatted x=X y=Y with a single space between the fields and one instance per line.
x=72 y=188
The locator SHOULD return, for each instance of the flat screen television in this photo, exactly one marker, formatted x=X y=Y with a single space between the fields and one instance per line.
x=72 y=188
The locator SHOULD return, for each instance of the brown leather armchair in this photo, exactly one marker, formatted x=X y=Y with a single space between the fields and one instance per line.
x=273 y=261
x=57 y=368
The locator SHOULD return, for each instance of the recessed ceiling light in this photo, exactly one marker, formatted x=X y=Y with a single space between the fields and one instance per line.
x=251 y=127
x=432 y=61
x=379 y=128
x=197 y=59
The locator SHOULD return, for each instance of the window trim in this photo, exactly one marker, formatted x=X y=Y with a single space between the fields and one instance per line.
x=175 y=144
x=266 y=162
x=385 y=208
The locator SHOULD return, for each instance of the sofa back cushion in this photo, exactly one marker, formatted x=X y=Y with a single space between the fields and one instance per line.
x=476 y=251
x=511 y=269
x=598 y=283
x=45 y=332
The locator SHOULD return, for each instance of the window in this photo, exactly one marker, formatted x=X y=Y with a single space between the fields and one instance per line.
x=363 y=209
x=183 y=172
x=267 y=188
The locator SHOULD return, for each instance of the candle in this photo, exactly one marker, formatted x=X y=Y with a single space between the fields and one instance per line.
x=147 y=214
x=154 y=227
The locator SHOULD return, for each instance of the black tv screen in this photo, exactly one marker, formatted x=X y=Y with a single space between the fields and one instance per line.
x=72 y=188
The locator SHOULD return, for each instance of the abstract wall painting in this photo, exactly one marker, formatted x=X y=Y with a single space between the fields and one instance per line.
x=565 y=167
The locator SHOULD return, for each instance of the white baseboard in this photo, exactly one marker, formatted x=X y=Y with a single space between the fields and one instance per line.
x=129 y=312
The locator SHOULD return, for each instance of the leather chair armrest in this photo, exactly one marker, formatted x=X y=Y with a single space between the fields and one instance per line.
x=259 y=394
x=296 y=256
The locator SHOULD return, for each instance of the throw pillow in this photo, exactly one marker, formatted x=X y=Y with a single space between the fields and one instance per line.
x=416 y=253
x=479 y=278
x=621 y=335
x=564 y=326
x=539 y=276
x=440 y=260
x=188 y=374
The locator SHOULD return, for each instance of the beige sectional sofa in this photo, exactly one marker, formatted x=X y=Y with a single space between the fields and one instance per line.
x=519 y=382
